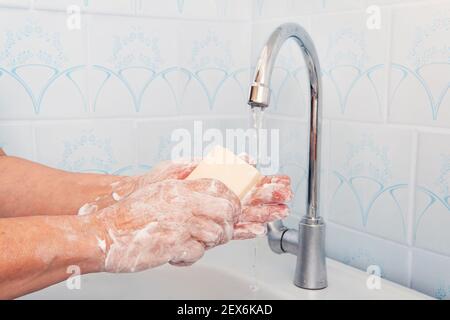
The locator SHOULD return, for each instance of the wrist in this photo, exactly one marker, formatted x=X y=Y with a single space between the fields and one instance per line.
x=98 y=243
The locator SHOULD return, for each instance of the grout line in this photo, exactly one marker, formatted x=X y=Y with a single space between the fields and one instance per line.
x=90 y=117
x=412 y=187
x=128 y=118
x=411 y=202
x=422 y=128
x=131 y=14
x=369 y=235
x=440 y=255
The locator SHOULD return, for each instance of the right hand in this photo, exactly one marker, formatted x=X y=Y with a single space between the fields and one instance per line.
x=171 y=221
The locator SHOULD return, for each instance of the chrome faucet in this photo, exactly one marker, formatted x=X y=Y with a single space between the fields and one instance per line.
x=308 y=242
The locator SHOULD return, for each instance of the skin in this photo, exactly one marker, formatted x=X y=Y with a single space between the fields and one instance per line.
x=29 y=188
x=128 y=223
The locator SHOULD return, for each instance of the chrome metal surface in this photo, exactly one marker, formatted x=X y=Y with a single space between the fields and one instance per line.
x=308 y=243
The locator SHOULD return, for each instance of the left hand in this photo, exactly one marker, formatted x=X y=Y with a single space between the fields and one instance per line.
x=127 y=185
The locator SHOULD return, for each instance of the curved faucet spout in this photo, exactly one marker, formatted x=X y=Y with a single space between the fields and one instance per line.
x=260 y=96
x=310 y=244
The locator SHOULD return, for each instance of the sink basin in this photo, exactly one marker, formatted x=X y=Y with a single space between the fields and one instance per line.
x=229 y=272
x=167 y=282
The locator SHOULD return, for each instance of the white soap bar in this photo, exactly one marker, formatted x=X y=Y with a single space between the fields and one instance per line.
x=225 y=166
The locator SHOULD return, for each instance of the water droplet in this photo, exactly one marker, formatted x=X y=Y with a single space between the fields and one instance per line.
x=253 y=287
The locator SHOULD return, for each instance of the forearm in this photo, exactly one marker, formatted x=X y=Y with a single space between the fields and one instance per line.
x=35 y=252
x=29 y=188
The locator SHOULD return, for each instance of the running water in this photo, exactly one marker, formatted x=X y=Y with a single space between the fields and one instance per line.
x=257 y=122
x=257 y=118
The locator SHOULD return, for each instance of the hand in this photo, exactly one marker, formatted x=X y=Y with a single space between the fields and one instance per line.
x=264 y=203
x=171 y=221
x=127 y=185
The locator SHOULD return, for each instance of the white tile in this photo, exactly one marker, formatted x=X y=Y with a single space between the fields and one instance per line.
x=102 y=146
x=432 y=207
x=17 y=140
x=391 y=2
x=117 y=6
x=419 y=84
x=263 y=9
x=132 y=61
x=214 y=9
x=369 y=179
x=361 y=251
x=235 y=9
x=325 y=167
x=160 y=8
x=270 y=9
x=193 y=137
x=62 y=5
x=122 y=7
x=154 y=138
x=15 y=3
x=353 y=64
x=47 y=60
x=430 y=274
x=215 y=57
x=293 y=158
x=197 y=8
x=336 y=5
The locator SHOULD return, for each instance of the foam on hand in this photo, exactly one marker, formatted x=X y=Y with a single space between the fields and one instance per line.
x=225 y=166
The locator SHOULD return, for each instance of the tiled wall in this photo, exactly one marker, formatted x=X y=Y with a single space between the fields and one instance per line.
x=105 y=98
x=386 y=152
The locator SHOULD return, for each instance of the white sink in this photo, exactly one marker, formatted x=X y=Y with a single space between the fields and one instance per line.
x=197 y=282
x=228 y=273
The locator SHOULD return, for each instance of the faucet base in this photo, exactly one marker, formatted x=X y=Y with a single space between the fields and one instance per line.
x=311 y=272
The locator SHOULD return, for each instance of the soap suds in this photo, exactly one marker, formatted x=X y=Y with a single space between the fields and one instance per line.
x=116 y=197
x=101 y=244
x=88 y=208
x=114 y=184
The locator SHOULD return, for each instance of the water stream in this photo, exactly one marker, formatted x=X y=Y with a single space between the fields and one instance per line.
x=257 y=123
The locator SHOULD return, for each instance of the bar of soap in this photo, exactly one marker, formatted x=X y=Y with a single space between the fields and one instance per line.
x=225 y=166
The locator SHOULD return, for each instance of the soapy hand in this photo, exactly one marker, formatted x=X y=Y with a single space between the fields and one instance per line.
x=127 y=185
x=171 y=221
x=264 y=203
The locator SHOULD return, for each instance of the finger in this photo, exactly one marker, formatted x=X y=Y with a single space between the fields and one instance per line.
x=249 y=230
x=209 y=233
x=264 y=213
x=217 y=210
x=191 y=252
x=179 y=169
x=123 y=188
x=278 y=179
x=216 y=189
x=271 y=192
